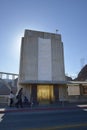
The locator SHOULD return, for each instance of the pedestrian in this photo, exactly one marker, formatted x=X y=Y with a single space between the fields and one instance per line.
x=19 y=98
x=26 y=100
x=11 y=97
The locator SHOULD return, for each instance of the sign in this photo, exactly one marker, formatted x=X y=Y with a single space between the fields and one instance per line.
x=73 y=90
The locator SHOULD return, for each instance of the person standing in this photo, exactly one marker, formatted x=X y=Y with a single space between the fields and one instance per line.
x=11 y=97
x=19 y=98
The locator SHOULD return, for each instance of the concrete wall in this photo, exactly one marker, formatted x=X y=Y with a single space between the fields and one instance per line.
x=58 y=71
x=29 y=60
x=63 y=95
x=44 y=59
x=29 y=57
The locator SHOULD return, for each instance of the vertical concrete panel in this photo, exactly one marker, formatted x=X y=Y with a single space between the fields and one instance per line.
x=58 y=73
x=44 y=59
x=56 y=92
x=63 y=95
x=20 y=78
x=27 y=91
x=29 y=60
x=34 y=93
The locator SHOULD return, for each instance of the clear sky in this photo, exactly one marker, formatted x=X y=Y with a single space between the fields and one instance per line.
x=68 y=16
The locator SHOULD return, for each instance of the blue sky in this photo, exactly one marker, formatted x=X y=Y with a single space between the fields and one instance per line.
x=68 y=16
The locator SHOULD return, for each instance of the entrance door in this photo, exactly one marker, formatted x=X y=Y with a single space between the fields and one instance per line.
x=44 y=93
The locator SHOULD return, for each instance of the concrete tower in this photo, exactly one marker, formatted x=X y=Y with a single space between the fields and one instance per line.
x=42 y=66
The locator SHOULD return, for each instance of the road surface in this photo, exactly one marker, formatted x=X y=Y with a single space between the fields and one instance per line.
x=44 y=120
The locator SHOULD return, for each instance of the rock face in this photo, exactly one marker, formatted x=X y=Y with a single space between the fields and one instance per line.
x=82 y=76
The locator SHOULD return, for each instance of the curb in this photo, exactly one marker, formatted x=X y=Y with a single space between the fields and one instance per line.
x=8 y=110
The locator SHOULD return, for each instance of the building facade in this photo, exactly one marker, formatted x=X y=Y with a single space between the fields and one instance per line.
x=42 y=72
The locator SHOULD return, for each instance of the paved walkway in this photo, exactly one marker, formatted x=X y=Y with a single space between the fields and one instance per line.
x=49 y=107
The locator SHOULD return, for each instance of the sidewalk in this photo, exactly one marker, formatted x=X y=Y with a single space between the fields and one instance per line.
x=49 y=107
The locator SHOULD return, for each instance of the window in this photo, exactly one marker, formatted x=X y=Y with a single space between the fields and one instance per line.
x=84 y=89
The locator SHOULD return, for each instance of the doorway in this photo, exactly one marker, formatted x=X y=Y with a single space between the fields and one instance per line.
x=44 y=93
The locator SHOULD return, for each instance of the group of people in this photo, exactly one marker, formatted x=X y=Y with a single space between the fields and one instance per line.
x=18 y=101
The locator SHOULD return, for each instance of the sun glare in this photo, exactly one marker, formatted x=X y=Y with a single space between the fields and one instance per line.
x=16 y=45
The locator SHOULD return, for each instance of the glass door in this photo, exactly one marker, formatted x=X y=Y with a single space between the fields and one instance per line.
x=44 y=93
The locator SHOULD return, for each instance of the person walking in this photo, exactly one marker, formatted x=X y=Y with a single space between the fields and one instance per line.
x=11 y=97
x=19 y=98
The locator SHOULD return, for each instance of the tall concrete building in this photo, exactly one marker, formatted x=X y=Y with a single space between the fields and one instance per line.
x=42 y=72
